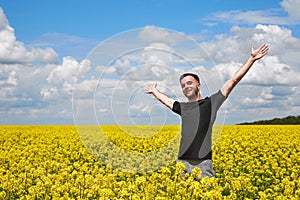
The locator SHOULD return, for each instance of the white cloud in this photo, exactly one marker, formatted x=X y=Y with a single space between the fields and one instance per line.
x=61 y=79
x=292 y=8
x=271 y=84
x=106 y=70
x=267 y=72
x=103 y=110
x=34 y=88
x=254 y=102
x=268 y=16
x=154 y=34
x=236 y=46
x=68 y=71
x=139 y=108
x=248 y=17
x=12 y=78
x=263 y=99
x=159 y=45
x=26 y=89
x=271 y=34
x=282 y=42
x=65 y=44
x=13 y=51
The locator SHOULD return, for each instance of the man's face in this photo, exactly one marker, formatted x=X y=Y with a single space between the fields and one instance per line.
x=190 y=86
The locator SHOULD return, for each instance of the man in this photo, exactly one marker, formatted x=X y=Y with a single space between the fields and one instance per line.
x=198 y=114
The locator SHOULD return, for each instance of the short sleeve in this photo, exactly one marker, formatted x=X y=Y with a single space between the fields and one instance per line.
x=176 y=108
x=217 y=100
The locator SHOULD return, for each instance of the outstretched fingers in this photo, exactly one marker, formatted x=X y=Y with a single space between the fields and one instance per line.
x=264 y=49
x=260 y=52
x=149 y=89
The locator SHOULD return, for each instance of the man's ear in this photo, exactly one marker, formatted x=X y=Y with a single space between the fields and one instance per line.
x=199 y=86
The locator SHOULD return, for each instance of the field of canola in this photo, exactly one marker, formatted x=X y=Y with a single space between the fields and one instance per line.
x=51 y=162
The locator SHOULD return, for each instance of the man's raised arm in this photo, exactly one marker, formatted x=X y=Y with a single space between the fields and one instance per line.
x=255 y=55
x=151 y=89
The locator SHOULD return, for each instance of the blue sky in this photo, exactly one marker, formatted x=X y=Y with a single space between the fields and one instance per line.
x=101 y=19
x=95 y=21
x=47 y=46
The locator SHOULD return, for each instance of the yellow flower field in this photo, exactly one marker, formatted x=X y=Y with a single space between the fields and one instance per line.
x=51 y=162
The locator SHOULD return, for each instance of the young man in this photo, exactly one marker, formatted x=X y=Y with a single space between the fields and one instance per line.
x=198 y=115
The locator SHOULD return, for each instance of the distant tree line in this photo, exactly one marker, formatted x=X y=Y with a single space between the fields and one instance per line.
x=285 y=120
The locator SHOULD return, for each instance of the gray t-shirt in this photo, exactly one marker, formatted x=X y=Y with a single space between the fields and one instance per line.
x=197 y=121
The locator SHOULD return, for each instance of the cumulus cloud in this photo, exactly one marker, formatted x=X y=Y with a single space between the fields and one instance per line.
x=278 y=67
x=236 y=45
x=267 y=72
x=34 y=90
x=61 y=78
x=34 y=87
x=13 y=51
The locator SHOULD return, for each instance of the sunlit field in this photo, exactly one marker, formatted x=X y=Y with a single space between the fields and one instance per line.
x=51 y=162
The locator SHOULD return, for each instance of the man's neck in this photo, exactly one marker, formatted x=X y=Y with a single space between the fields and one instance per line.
x=195 y=98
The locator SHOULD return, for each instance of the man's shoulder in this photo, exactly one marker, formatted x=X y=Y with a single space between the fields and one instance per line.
x=218 y=99
x=218 y=94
